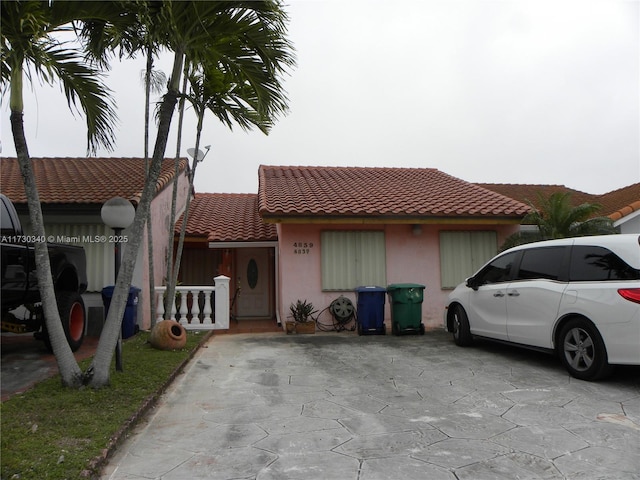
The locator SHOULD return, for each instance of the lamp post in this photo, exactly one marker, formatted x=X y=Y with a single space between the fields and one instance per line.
x=117 y=213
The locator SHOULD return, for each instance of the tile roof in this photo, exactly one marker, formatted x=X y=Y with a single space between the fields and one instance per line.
x=83 y=180
x=227 y=217
x=615 y=204
x=620 y=203
x=526 y=193
x=413 y=193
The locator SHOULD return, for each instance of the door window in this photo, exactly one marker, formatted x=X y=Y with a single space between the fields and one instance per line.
x=541 y=263
x=498 y=271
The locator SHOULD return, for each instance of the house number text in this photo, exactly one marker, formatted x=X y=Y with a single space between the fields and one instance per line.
x=302 y=248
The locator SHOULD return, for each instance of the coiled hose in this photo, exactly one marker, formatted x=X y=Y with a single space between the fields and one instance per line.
x=342 y=313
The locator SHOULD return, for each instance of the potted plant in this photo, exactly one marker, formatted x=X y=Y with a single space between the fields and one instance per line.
x=302 y=314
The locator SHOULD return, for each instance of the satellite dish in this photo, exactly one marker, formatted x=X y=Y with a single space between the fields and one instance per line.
x=192 y=153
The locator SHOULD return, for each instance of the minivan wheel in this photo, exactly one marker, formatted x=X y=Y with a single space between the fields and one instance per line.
x=582 y=350
x=461 y=330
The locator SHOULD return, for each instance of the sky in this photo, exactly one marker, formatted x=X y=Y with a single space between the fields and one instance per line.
x=489 y=91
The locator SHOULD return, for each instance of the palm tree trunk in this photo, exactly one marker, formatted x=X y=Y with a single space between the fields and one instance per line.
x=70 y=372
x=111 y=331
x=185 y=216
x=171 y=285
x=152 y=286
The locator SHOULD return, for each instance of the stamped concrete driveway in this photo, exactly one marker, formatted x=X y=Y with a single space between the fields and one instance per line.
x=339 y=406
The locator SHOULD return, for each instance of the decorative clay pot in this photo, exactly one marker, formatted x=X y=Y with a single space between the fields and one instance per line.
x=168 y=335
x=305 y=327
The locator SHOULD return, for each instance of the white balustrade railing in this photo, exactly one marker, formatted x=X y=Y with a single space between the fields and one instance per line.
x=196 y=304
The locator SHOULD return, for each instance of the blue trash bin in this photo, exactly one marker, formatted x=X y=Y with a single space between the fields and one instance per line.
x=130 y=317
x=370 y=310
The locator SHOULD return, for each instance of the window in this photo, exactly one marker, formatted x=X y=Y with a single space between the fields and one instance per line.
x=497 y=271
x=599 y=264
x=463 y=253
x=541 y=263
x=352 y=258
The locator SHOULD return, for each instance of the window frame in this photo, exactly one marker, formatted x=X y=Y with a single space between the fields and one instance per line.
x=456 y=265
x=354 y=261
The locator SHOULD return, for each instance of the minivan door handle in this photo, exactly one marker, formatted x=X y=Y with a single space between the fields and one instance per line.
x=498 y=294
x=514 y=293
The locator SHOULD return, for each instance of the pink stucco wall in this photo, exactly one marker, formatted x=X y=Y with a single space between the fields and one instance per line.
x=410 y=259
x=162 y=240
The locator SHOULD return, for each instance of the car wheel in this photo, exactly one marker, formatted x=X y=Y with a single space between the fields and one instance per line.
x=582 y=350
x=72 y=316
x=461 y=330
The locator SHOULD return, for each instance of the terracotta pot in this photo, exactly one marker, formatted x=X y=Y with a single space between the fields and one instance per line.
x=168 y=335
x=305 y=327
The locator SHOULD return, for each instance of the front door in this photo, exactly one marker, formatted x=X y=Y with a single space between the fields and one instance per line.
x=253 y=276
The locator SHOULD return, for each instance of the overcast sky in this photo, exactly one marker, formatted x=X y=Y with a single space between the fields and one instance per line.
x=504 y=91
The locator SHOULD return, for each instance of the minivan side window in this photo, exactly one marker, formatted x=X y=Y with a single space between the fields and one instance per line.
x=591 y=263
x=541 y=263
x=497 y=271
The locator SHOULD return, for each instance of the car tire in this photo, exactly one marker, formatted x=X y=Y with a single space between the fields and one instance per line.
x=460 y=327
x=73 y=318
x=582 y=350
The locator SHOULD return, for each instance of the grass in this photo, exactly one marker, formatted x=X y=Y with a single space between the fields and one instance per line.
x=51 y=432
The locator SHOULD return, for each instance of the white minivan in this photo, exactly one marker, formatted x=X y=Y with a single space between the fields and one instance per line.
x=579 y=297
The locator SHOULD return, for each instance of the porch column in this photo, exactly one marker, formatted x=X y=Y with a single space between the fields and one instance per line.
x=221 y=283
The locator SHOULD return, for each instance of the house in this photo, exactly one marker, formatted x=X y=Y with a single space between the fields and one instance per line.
x=72 y=191
x=622 y=206
x=315 y=233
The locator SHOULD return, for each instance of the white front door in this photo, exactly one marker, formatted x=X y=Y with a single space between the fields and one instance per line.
x=253 y=277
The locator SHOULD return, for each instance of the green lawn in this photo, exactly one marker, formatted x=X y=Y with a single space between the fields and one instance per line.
x=57 y=433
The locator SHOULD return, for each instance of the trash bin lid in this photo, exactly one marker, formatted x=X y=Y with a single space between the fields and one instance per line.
x=363 y=289
x=396 y=286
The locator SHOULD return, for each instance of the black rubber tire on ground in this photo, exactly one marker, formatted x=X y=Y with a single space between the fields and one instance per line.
x=421 y=329
x=395 y=329
x=582 y=350
x=460 y=326
x=73 y=317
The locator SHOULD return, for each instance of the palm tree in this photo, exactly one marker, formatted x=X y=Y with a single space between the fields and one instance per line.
x=557 y=218
x=247 y=39
x=29 y=48
x=211 y=89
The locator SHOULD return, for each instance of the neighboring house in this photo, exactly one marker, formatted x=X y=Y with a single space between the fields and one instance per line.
x=72 y=191
x=622 y=206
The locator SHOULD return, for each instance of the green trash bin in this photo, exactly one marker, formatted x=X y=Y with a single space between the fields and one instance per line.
x=406 y=308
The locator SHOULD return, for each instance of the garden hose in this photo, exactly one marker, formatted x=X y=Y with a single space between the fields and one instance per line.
x=342 y=312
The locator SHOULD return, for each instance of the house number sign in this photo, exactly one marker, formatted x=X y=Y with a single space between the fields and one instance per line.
x=302 y=248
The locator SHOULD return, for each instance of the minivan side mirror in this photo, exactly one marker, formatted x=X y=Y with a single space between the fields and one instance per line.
x=472 y=283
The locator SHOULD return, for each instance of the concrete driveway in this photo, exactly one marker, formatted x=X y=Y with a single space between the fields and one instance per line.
x=339 y=406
